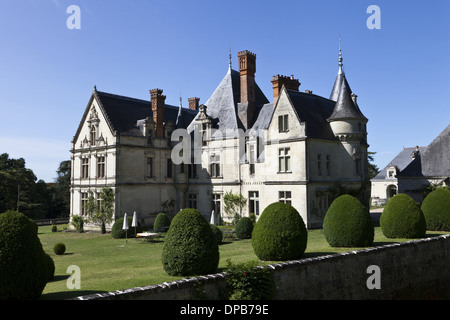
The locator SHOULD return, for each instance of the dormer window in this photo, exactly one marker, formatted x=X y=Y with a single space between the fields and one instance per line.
x=283 y=123
x=391 y=172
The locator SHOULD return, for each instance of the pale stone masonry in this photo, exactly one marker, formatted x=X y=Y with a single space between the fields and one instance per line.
x=300 y=148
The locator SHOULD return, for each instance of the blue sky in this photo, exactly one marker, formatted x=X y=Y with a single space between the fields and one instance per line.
x=47 y=71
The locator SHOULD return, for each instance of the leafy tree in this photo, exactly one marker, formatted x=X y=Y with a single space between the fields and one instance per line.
x=373 y=168
x=233 y=204
x=102 y=214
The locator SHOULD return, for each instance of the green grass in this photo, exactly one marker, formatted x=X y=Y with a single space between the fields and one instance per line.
x=108 y=264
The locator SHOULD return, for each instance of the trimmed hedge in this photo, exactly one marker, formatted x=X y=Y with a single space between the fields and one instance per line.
x=161 y=220
x=436 y=209
x=190 y=246
x=347 y=223
x=59 y=248
x=244 y=228
x=24 y=266
x=280 y=233
x=402 y=218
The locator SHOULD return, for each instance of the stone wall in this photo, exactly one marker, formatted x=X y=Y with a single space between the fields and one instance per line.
x=418 y=269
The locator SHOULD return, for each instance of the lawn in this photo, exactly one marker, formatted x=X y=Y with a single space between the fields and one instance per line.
x=108 y=264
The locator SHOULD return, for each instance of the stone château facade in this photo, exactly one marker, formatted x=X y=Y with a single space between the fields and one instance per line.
x=301 y=148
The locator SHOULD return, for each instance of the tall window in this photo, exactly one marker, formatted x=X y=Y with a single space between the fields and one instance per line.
x=99 y=201
x=283 y=123
x=84 y=168
x=253 y=202
x=214 y=166
x=101 y=167
x=252 y=159
x=285 y=197
x=328 y=165
x=192 y=170
x=84 y=200
x=149 y=167
x=169 y=168
x=319 y=165
x=284 y=160
x=192 y=200
x=93 y=135
x=216 y=203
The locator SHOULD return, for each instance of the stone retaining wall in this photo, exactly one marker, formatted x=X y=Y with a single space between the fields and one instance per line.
x=418 y=269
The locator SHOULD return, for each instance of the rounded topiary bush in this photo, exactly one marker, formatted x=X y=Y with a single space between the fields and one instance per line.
x=190 y=246
x=347 y=223
x=217 y=233
x=161 y=221
x=436 y=209
x=280 y=233
x=402 y=218
x=59 y=248
x=244 y=228
x=24 y=266
x=118 y=233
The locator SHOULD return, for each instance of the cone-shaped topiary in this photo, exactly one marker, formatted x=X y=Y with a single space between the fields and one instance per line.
x=280 y=234
x=436 y=209
x=402 y=218
x=161 y=220
x=347 y=223
x=190 y=246
x=244 y=228
x=24 y=266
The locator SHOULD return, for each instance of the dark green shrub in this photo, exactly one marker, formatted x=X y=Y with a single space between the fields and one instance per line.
x=51 y=267
x=402 y=218
x=217 y=233
x=247 y=281
x=279 y=234
x=54 y=228
x=161 y=221
x=436 y=209
x=347 y=223
x=118 y=233
x=244 y=228
x=59 y=248
x=24 y=267
x=190 y=246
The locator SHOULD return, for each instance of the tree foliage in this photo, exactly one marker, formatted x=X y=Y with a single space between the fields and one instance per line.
x=233 y=204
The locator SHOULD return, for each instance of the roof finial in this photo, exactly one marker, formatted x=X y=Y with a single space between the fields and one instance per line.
x=340 y=56
x=229 y=57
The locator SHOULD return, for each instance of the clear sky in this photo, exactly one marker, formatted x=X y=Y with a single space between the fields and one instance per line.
x=400 y=72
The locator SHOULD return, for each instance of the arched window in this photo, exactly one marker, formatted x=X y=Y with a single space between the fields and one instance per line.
x=391 y=191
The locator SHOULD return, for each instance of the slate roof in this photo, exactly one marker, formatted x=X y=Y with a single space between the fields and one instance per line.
x=345 y=107
x=314 y=110
x=401 y=161
x=123 y=113
x=434 y=161
x=222 y=104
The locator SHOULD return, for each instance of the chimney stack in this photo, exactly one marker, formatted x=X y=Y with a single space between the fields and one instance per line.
x=193 y=103
x=247 y=69
x=278 y=81
x=158 y=101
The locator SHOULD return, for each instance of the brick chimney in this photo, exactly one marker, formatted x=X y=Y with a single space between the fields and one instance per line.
x=193 y=103
x=158 y=101
x=278 y=81
x=247 y=69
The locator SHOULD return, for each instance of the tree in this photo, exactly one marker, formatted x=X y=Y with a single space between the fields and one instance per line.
x=103 y=213
x=373 y=168
x=233 y=204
